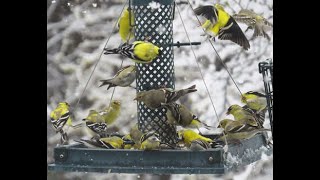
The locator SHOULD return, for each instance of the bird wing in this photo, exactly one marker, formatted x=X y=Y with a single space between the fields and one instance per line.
x=61 y=121
x=209 y=12
x=256 y=93
x=120 y=70
x=248 y=20
x=258 y=116
x=233 y=32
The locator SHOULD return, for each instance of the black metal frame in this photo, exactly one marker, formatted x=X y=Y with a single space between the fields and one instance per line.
x=266 y=69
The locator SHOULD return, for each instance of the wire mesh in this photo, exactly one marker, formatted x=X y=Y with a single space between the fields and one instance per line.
x=154 y=22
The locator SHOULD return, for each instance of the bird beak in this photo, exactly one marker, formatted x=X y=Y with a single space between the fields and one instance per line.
x=219 y=126
x=135 y=99
x=228 y=113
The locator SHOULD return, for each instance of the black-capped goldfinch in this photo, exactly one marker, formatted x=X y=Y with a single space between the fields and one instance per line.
x=95 y=122
x=254 y=21
x=124 y=77
x=179 y=114
x=156 y=97
x=113 y=142
x=220 y=23
x=188 y=135
x=150 y=141
x=125 y=30
x=60 y=116
x=138 y=51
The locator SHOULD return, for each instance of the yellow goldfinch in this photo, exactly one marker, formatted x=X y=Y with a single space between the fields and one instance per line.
x=149 y=141
x=112 y=112
x=241 y=135
x=124 y=77
x=187 y=136
x=95 y=122
x=240 y=113
x=60 y=116
x=113 y=142
x=220 y=23
x=138 y=51
x=136 y=135
x=254 y=21
x=199 y=145
x=178 y=114
x=255 y=100
x=125 y=30
x=256 y=103
x=156 y=97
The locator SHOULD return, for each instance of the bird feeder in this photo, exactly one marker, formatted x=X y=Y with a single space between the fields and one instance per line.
x=156 y=25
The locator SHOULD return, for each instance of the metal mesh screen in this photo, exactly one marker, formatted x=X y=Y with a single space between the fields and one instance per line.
x=266 y=68
x=154 y=21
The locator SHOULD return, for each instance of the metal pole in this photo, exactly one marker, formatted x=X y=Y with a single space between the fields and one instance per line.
x=153 y=20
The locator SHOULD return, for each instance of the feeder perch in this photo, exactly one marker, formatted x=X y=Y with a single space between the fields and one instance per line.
x=77 y=157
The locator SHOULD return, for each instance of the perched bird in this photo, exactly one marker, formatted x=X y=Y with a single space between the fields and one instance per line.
x=236 y=137
x=256 y=104
x=96 y=123
x=136 y=135
x=60 y=116
x=113 y=142
x=156 y=97
x=231 y=126
x=125 y=30
x=178 y=114
x=112 y=112
x=220 y=23
x=150 y=141
x=255 y=100
x=199 y=145
x=254 y=21
x=138 y=51
x=188 y=135
x=240 y=113
x=124 y=77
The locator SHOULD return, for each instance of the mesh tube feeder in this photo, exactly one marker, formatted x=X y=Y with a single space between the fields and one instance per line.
x=156 y=25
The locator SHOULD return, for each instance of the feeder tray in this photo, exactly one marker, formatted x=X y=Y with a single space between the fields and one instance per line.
x=77 y=157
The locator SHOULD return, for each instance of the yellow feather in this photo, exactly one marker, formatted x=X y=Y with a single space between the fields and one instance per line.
x=125 y=31
x=145 y=51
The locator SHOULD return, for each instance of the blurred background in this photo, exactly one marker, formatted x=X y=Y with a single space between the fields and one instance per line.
x=76 y=34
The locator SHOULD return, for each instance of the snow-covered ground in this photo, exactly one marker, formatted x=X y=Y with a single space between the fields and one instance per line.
x=76 y=34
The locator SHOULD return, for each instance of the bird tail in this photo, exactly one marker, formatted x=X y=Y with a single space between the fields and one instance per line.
x=260 y=116
x=111 y=51
x=206 y=125
x=176 y=95
x=107 y=82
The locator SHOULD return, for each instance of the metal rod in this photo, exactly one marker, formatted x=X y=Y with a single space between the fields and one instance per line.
x=178 y=44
